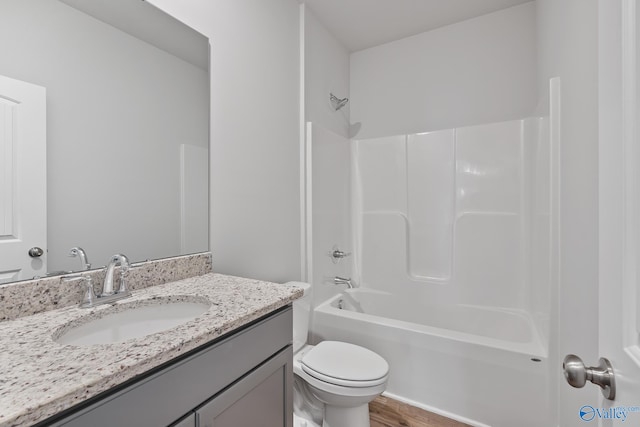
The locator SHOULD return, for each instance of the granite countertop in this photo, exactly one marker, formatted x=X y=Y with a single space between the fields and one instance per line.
x=41 y=377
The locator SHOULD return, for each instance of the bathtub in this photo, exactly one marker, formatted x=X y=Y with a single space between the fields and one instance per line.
x=482 y=366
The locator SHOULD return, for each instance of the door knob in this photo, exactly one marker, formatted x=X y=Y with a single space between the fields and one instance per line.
x=35 y=252
x=577 y=375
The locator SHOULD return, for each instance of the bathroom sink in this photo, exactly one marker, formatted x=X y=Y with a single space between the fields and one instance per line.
x=133 y=320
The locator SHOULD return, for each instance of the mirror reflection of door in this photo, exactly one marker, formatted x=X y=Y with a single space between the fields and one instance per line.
x=23 y=184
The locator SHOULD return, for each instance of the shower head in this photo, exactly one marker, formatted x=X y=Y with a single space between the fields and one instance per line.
x=337 y=102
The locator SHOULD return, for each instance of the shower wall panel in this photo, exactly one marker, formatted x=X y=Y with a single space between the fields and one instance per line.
x=384 y=251
x=488 y=168
x=442 y=214
x=383 y=174
x=430 y=204
x=488 y=260
x=488 y=234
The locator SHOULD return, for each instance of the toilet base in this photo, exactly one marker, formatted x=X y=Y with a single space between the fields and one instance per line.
x=301 y=421
x=339 y=416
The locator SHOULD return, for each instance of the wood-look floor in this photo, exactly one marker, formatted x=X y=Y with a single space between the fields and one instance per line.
x=386 y=412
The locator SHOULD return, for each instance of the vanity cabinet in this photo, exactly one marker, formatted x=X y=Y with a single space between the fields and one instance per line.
x=242 y=379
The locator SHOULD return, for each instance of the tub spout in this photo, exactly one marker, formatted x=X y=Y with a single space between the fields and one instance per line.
x=342 y=281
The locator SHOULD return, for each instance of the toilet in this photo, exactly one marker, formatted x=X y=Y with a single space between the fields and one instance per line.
x=340 y=377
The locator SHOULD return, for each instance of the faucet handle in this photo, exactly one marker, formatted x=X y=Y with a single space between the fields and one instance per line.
x=125 y=269
x=337 y=255
x=89 y=297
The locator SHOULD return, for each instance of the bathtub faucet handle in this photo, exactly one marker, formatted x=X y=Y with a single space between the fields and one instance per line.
x=337 y=255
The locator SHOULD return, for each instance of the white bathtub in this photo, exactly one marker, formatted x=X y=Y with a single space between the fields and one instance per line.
x=486 y=367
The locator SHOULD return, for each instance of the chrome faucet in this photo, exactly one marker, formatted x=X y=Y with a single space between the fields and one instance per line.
x=342 y=281
x=108 y=294
x=107 y=287
x=79 y=252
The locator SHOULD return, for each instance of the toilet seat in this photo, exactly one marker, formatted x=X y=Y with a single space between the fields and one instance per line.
x=345 y=365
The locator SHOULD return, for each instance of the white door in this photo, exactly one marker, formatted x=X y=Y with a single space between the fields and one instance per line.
x=23 y=185
x=619 y=222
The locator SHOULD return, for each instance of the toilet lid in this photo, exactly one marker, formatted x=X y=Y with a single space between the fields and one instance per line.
x=345 y=364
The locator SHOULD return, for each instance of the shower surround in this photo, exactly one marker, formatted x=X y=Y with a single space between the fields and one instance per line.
x=447 y=215
x=450 y=233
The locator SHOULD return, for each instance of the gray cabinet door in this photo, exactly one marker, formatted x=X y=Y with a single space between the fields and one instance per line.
x=263 y=398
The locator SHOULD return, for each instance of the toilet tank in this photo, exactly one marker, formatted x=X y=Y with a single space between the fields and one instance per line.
x=301 y=315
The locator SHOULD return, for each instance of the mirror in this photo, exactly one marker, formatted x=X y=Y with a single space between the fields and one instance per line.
x=127 y=126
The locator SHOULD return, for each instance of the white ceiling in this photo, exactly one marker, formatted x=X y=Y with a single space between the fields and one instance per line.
x=360 y=24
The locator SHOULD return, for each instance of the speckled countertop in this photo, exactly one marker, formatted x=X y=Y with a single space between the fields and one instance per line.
x=40 y=377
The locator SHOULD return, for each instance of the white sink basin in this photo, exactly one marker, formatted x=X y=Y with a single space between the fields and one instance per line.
x=128 y=321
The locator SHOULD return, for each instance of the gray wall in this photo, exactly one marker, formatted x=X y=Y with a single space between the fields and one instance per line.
x=326 y=69
x=482 y=70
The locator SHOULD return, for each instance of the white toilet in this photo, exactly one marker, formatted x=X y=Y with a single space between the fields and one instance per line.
x=343 y=377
